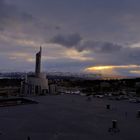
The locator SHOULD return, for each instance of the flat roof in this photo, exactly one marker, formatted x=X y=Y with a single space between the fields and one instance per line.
x=69 y=117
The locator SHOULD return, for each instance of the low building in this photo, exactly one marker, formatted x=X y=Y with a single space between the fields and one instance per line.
x=53 y=89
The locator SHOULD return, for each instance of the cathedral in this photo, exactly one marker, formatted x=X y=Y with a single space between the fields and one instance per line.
x=37 y=83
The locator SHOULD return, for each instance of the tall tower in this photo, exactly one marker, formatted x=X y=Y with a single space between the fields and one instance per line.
x=38 y=63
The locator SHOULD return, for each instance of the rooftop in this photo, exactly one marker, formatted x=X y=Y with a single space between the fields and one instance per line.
x=69 y=117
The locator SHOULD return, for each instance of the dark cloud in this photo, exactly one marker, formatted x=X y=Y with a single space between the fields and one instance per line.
x=99 y=46
x=17 y=24
x=57 y=27
x=105 y=25
x=77 y=42
x=123 y=56
x=67 y=40
x=10 y=15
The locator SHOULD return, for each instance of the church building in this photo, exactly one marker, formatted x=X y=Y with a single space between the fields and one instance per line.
x=37 y=83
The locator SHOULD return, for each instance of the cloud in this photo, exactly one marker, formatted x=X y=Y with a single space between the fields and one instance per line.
x=92 y=33
x=135 y=71
x=99 y=46
x=77 y=42
x=66 y=65
x=11 y=16
x=23 y=24
x=104 y=53
x=67 y=40
x=114 y=69
x=124 y=55
x=80 y=44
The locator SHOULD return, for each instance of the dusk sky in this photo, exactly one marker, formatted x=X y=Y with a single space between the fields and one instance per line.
x=96 y=36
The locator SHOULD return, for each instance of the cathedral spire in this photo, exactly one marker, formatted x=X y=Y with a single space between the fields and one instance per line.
x=38 y=62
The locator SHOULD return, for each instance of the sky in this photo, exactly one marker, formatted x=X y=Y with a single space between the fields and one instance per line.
x=92 y=36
